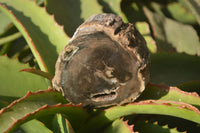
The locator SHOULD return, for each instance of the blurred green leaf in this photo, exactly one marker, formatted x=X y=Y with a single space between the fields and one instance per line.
x=192 y=86
x=114 y=6
x=3 y=104
x=119 y=126
x=90 y=7
x=4 y=23
x=173 y=69
x=133 y=10
x=144 y=29
x=15 y=83
x=14 y=46
x=72 y=13
x=67 y=13
x=194 y=6
x=33 y=126
x=180 y=36
x=61 y=125
x=44 y=36
x=39 y=2
x=9 y=38
x=180 y=13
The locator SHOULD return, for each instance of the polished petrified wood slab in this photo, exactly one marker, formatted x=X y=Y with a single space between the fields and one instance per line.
x=105 y=63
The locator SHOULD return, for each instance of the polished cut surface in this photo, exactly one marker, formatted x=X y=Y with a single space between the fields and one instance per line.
x=105 y=63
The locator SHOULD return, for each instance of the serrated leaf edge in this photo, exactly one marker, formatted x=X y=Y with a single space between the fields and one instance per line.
x=168 y=103
x=29 y=93
x=131 y=127
x=27 y=117
x=168 y=88
x=27 y=34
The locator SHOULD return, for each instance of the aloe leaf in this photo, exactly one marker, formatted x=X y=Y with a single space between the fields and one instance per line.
x=192 y=86
x=33 y=126
x=72 y=13
x=115 y=7
x=89 y=8
x=181 y=13
x=145 y=126
x=39 y=2
x=133 y=11
x=180 y=36
x=31 y=102
x=3 y=104
x=38 y=72
x=162 y=107
x=5 y=22
x=61 y=125
x=182 y=125
x=194 y=6
x=44 y=36
x=162 y=92
x=9 y=38
x=144 y=29
x=174 y=69
x=67 y=13
x=39 y=104
x=15 y=84
x=119 y=126
x=13 y=43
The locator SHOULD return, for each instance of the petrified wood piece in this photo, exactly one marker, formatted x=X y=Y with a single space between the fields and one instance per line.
x=105 y=63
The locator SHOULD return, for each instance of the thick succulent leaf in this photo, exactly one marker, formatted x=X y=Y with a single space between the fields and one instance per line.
x=194 y=6
x=33 y=126
x=173 y=69
x=44 y=36
x=174 y=10
x=3 y=104
x=89 y=8
x=39 y=2
x=38 y=72
x=61 y=125
x=72 y=13
x=39 y=104
x=181 y=125
x=66 y=12
x=14 y=43
x=162 y=92
x=5 y=22
x=9 y=38
x=192 y=86
x=146 y=127
x=180 y=36
x=181 y=13
x=144 y=29
x=119 y=126
x=133 y=11
x=162 y=107
x=22 y=107
x=16 y=84
x=114 y=6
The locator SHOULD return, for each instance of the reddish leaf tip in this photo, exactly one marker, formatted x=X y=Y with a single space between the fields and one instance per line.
x=50 y=89
x=28 y=93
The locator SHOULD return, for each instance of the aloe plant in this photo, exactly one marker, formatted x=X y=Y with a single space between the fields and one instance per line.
x=35 y=32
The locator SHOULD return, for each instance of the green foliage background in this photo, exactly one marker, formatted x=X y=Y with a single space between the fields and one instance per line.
x=32 y=34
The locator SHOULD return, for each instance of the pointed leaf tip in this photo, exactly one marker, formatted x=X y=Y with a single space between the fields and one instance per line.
x=38 y=72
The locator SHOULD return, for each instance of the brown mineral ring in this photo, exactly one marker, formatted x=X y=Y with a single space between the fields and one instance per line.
x=105 y=63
